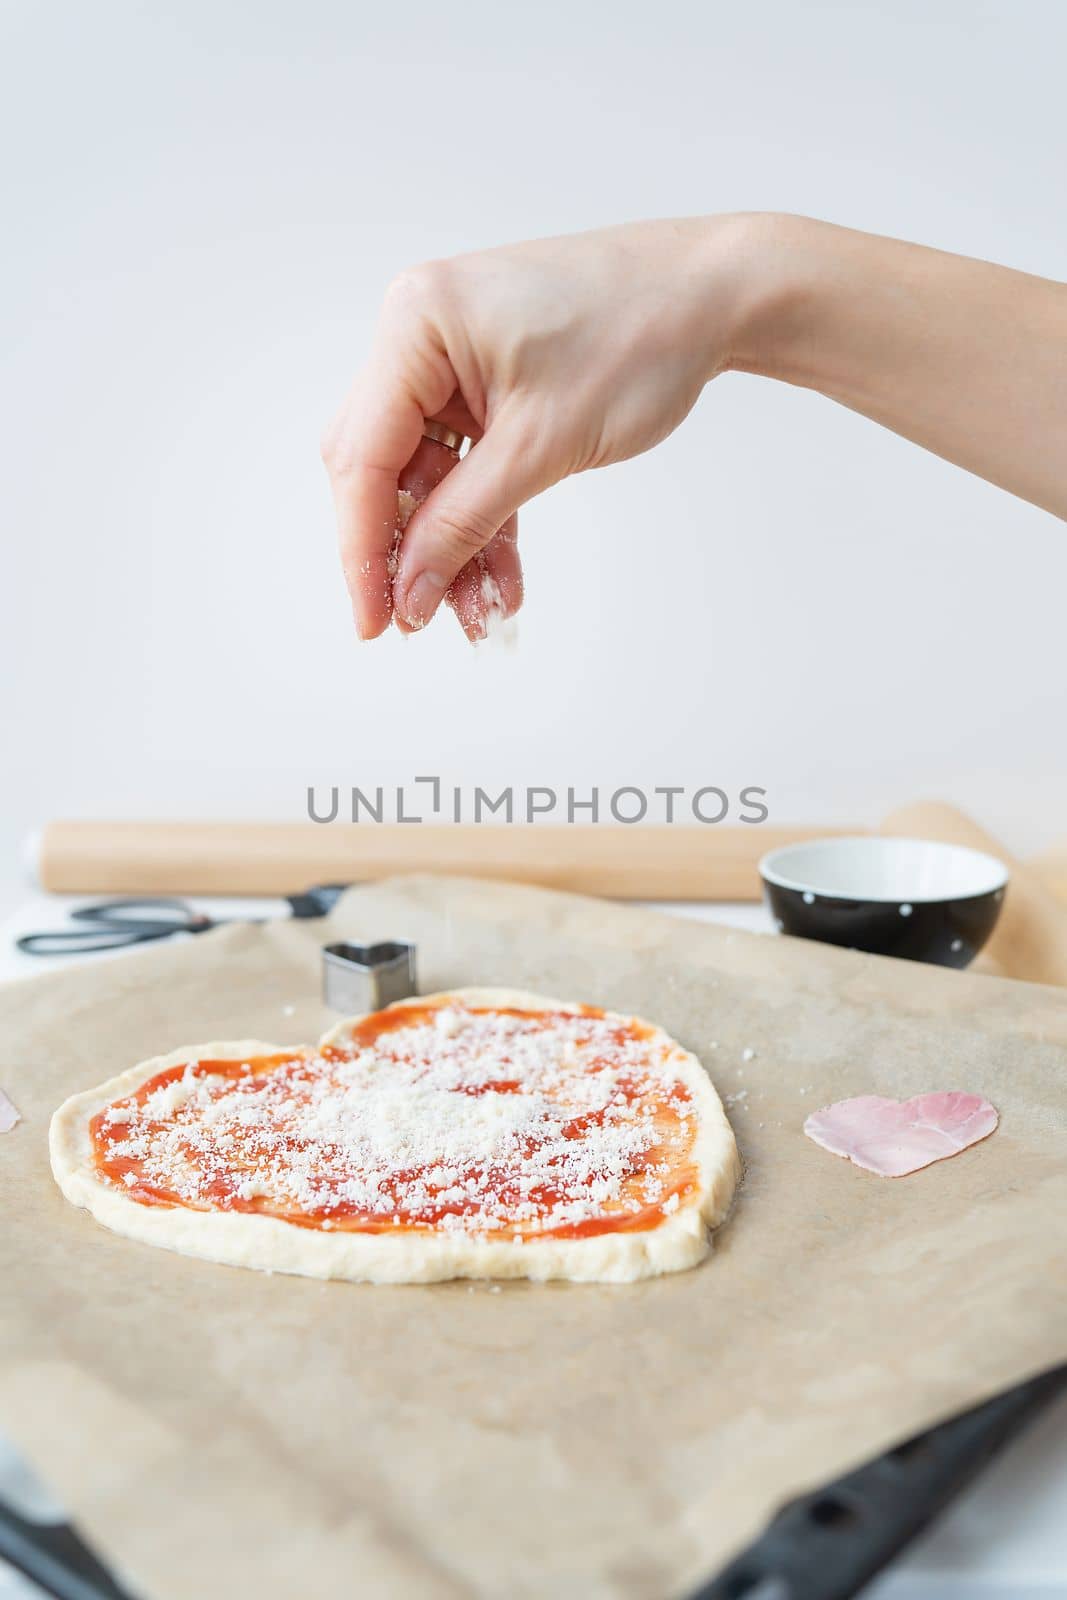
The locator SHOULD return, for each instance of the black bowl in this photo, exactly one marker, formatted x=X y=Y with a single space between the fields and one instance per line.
x=912 y=898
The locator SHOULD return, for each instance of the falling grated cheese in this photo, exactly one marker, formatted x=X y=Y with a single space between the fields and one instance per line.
x=406 y=506
x=500 y=629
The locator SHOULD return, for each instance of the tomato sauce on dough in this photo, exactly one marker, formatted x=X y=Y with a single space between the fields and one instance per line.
x=490 y=1121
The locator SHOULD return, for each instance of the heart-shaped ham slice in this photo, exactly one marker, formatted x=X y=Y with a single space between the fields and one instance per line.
x=895 y=1137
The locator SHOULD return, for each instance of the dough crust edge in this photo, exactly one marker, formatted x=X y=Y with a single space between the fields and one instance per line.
x=268 y=1244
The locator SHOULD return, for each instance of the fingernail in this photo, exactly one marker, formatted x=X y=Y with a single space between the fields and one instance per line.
x=423 y=598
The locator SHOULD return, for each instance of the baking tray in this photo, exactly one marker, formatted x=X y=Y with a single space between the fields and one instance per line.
x=656 y=1428
x=826 y=1545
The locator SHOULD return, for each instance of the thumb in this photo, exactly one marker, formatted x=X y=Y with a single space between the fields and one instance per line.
x=494 y=478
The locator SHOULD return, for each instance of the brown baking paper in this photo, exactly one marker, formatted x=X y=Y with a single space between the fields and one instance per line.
x=222 y=1433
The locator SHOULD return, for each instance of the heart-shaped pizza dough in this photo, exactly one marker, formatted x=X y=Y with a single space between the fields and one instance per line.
x=479 y=1133
x=895 y=1137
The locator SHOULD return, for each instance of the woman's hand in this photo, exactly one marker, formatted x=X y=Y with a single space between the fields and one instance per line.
x=571 y=353
x=553 y=357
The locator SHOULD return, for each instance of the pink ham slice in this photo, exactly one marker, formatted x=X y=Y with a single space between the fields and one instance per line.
x=895 y=1137
x=8 y=1115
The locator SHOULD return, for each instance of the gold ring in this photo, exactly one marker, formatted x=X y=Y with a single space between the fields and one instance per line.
x=442 y=435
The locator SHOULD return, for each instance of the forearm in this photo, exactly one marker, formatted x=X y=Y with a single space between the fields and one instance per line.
x=559 y=355
x=965 y=358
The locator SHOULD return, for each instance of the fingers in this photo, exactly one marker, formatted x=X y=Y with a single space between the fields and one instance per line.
x=460 y=518
x=376 y=448
x=492 y=582
x=490 y=585
x=376 y=433
x=363 y=458
x=366 y=531
x=431 y=463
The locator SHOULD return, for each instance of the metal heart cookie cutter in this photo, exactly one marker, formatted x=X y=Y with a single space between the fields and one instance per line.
x=365 y=977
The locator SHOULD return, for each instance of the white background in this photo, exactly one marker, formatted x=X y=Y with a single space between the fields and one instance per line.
x=202 y=204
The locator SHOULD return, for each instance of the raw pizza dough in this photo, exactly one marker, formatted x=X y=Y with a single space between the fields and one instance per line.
x=475 y=1096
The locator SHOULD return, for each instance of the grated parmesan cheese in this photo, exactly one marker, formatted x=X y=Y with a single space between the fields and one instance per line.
x=461 y=1120
x=500 y=629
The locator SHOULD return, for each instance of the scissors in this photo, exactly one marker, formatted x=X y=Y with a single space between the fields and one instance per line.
x=115 y=924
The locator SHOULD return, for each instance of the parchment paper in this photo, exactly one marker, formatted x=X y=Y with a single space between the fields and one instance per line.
x=222 y=1434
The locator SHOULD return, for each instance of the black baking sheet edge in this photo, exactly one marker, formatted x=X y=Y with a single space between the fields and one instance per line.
x=828 y=1544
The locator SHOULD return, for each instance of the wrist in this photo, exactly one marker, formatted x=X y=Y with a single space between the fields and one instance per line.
x=764 y=282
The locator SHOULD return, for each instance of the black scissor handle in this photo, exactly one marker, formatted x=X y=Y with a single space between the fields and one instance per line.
x=76 y=941
x=318 y=901
x=113 y=928
x=115 y=924
x=55 y=1557
x=177 y=916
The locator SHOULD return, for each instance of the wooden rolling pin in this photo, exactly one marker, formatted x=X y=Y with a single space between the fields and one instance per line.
x=1051 y=867
x=653 y=862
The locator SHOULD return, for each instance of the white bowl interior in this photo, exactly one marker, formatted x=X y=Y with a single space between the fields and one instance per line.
x=911 y=870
